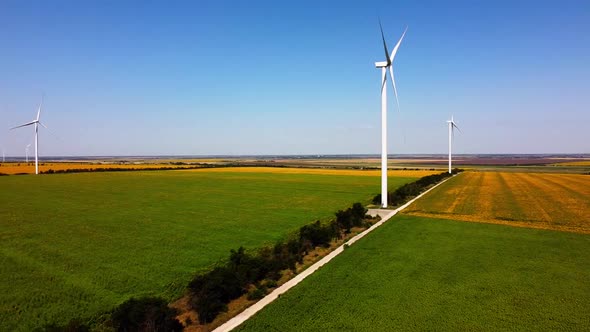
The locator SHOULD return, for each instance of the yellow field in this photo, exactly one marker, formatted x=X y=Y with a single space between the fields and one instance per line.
x=354 y=161
x=165 y=161
x=15 y=168
x=573 y=163
x=538 y=200
x=322 y=171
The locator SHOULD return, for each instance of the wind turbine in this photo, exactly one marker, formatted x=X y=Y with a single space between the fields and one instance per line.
x=27 y=152
x=384 y=65
x=452 y=126
x=35 y=122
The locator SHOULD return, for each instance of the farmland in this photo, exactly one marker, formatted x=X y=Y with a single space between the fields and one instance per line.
x=29 y=168
x=75 y=245
x=12 y=168
x=584 y=163
x=537 y=200
x=416 y=273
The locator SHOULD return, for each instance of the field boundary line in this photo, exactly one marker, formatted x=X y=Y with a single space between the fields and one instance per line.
x=253 y=309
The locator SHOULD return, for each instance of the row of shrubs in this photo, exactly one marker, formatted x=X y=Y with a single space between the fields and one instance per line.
x=210 y=292
x=413 y=189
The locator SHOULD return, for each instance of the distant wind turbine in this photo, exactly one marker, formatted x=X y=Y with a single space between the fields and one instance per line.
x=452 y=126
x=35 y=122
x=27 y=152
x=384 y=65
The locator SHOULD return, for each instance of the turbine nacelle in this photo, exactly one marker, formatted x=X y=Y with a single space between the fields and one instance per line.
x=388 y=64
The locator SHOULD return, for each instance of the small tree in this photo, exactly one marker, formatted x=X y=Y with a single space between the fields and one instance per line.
x=358 y=212
x=344 y=219
x=145 y=314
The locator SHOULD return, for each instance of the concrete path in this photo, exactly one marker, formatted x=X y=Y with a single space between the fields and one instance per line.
x=250 y=311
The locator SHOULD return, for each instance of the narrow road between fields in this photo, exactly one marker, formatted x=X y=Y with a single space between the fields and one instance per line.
x=250 y=311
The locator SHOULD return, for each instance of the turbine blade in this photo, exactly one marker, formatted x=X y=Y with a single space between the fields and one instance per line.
x=394 y=88
x=384 y=44
x=39 y=110
x=49 y=131
x=393 y=53
x=454 y=125
x=24 y=125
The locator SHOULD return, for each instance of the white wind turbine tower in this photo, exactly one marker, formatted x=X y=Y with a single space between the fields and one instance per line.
x=27 y=152
x=384 y=65
x=35 y=122
x=452 y=126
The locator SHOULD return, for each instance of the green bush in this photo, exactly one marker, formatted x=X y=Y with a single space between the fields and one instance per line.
x=257 y=293
x=316 y=234
x=212 y=291
x=344 y=220
x=145 y=314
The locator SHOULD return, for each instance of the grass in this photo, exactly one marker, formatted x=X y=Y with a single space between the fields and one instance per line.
x=417 y=273
x=75 y=245
x=539 y=200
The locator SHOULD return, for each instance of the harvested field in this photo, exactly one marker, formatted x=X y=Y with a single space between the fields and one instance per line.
x=29 y=168
x=582 y=163
x=538 y=200
x=20 y=168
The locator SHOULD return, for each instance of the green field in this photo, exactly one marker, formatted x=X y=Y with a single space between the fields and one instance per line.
x=75 y=245
x=416 y=273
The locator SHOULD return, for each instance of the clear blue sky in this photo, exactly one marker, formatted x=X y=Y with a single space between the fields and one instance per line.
x=250 y=77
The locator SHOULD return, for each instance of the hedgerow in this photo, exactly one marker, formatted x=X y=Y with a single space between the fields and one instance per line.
x=413 y=189
x=210 y=292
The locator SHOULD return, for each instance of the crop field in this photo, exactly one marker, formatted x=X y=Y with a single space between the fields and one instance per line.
x=538 y=200
x=417 y=273
x=29 y=168
x=573 y=163
x=75 y=245
x=326 y=171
